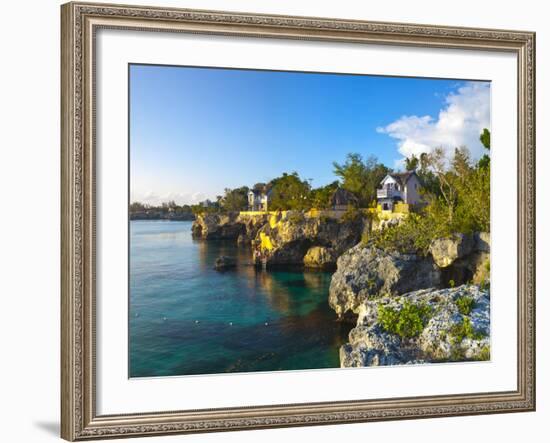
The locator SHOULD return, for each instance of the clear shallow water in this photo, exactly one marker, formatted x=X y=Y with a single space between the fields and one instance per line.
x=181 y=309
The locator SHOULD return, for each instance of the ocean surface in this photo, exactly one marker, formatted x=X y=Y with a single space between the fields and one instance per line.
x=187 y=318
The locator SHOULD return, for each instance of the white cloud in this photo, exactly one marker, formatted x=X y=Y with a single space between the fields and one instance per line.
x=459 y=123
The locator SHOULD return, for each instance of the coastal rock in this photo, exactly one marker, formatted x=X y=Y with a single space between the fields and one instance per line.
x=242 y=239
x=288 y=237
x=252 y=224
x=456 y=327
x=319 y=257
x=218 y=226
x=482 y=241
x=474 y=267
x=481 y=268
x=381 y=224
x=473 y=263
x=446 y=250
x=223 y=262
x=367 y=272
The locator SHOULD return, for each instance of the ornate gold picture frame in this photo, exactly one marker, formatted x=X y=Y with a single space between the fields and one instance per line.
x=80 y=22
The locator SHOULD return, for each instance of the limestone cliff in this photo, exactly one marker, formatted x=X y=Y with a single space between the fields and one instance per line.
x=217 y=226
x=294 y=238
x=365 y=272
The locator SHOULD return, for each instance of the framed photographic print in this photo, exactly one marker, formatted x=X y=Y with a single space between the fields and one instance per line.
x=282 y=221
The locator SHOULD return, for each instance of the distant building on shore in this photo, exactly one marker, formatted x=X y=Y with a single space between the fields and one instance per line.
x=258 y=197
x=342 y=199
x=402 y=187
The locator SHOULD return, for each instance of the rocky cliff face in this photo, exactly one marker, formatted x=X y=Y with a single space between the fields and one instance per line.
x=365 y=272
x=445 y=251
x=286 y=238
x=293 y=238
x=252 y=224
x=217 y=226
x=421 y=327
x=463 y=257
x=320 y=257
x=228 y=226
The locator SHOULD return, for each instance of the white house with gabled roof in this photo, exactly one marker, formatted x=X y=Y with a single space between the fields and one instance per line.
x=398 y=187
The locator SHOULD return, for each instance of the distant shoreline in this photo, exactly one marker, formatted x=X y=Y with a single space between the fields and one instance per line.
x=168 y=217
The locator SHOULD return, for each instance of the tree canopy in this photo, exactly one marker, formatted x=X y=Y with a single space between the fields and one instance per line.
x=235 y=199
x=361 y=177
x=321 y=197
x=485 y=139
x=456 y=191
x=411 y=163
x=289 y=191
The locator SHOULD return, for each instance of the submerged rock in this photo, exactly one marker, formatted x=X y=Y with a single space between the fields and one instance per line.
x=223 y=262
x=368 y=272
x=454 y=326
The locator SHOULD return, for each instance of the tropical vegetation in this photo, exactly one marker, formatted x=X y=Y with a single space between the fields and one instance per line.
x=455 y=195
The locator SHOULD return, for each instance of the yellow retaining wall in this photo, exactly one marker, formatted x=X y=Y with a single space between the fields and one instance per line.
x=402 y=208
x=252 y=213
x=399 y=208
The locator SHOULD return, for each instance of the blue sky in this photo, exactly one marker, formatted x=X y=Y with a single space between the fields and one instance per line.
x=196 y=131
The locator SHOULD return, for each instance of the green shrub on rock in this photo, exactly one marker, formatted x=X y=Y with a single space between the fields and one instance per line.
x=485 y=354
x=407 y=322
x=413 y=235
x=465 y=304
x=462 y=330
x=352 y=214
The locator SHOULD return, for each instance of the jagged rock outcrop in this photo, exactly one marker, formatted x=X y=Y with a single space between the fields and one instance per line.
x=320 y=257
x=482 y=241
x=252 y=224
x=446 y=250
x=218 y=226
x=381 y=224
x=470 y=264
x=288 y=237
x=448 y=325
x=365 y=272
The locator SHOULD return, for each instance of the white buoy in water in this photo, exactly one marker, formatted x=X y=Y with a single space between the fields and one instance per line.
x=164 y=318
x=230 y=323
x=196 y=321
x=266 y=323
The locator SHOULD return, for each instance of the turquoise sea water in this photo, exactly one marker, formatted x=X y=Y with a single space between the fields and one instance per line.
x=187 y=318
